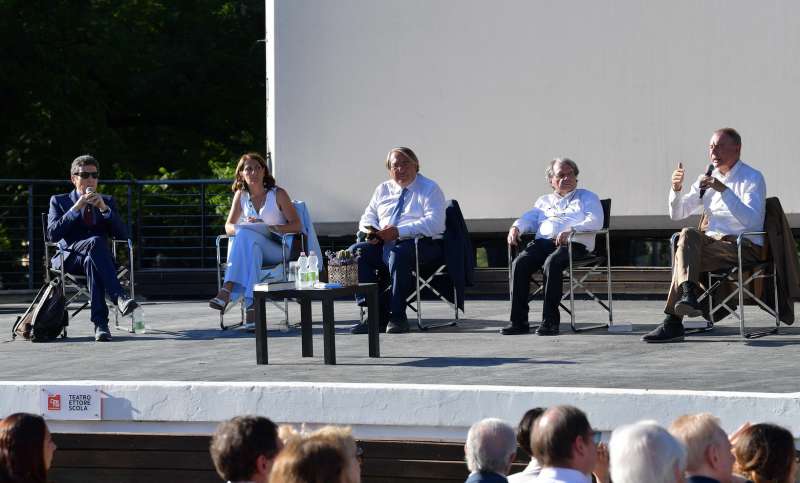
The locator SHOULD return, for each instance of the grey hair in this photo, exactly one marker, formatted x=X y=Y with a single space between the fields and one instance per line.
x=645 y=452
x=550 y=171
x=490 y=444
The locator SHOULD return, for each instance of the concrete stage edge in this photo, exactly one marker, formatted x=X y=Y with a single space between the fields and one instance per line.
x=385 y=411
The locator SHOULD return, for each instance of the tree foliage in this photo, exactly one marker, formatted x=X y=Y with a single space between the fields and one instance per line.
x=149 y=87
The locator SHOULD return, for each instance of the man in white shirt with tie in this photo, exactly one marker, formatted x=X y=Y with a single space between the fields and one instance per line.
x=406 y=206
x=735 y=204
x=552 y=218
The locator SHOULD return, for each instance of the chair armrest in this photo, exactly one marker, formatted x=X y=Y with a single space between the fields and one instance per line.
x=741 y=236
x=573 y=232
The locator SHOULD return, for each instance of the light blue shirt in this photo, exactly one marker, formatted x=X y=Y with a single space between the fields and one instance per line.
x=423 y=208
x=738 y=209
x=551 y=214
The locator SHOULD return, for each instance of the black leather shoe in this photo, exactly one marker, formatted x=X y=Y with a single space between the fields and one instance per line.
x=126 y=305
x=548 y=328
x=515 y=329
x=397 y=327
x=688 y=306
x=671 y=330
x=101 y=333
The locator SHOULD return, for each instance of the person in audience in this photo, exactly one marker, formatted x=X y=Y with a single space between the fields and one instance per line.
x=708 y=451
x=646 y=452
x=765 y=453
x=329 y=455
x=553 y=218
x=81 y=222
x=406 y=206
x=563 y=442
x=490 y=450
x=26 y=449
x=735 y=204
x=524 y=431
x=256 y=200
x=244 y=449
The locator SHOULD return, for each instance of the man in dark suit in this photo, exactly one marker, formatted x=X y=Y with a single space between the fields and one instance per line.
x=490 y=449
x=82 y=221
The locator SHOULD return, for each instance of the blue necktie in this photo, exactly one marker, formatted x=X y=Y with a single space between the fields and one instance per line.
x=398 y=209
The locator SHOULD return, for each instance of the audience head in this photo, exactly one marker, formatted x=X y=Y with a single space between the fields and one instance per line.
x=26 y=448
x=562 y=437
x=84 y=172
x=708 y=451
x=326 y=456
x=765 y=453
x=525 y=429
x=490 y=446
x=403 y=165
x=252 y=169
x=646 y=452
x=244 y=448
x=562 y=174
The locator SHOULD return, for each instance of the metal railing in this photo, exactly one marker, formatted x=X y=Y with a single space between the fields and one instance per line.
x=173 y=223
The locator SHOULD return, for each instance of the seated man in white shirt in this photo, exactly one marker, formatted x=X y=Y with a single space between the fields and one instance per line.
x=734 y=205
x=552 y=218
x=406 y=206
x=563 y=442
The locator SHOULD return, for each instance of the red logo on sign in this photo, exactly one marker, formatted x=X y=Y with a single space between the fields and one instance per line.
x=54 y=402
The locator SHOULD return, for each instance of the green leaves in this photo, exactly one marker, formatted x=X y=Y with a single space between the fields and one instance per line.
x=141 y=84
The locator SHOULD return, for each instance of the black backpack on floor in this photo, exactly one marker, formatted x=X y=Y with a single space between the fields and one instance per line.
x=46 y=317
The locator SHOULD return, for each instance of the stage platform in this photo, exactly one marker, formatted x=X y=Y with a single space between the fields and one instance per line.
x=184 y=343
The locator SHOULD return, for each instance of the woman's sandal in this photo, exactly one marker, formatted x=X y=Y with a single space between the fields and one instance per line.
x=218 y=303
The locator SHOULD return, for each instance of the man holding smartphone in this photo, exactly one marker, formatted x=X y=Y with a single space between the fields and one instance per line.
x=81 y=222
x=406 y=206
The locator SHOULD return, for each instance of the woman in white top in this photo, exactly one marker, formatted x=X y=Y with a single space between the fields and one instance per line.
x=256 y=199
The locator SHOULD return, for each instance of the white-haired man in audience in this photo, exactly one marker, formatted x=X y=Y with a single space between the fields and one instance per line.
x=646 y=452
x=709 y=456
x=490 y=449
x=563 y=442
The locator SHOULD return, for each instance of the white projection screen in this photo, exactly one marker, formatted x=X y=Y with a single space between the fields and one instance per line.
x=488 y=91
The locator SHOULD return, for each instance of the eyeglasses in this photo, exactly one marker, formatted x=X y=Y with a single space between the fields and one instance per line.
x=251 y=169
x=87 y=174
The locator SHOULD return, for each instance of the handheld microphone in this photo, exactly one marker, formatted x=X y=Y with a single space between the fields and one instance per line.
x=708 y=173
x=89 y=190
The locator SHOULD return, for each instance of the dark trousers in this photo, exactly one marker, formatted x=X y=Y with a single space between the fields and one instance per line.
x=372 y=269
x=552 y=260
x=91 y=257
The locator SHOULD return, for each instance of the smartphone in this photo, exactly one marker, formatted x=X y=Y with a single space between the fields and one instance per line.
x=597 y=437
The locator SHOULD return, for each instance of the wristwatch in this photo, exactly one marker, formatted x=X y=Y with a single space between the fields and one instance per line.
x=108 y=210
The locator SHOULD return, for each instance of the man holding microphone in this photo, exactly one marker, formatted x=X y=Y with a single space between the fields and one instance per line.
x=734 y=204
x=82 y=221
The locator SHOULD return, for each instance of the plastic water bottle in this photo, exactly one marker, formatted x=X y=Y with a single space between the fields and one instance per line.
x=302 y=271
x=138 y=321
x=313 y=270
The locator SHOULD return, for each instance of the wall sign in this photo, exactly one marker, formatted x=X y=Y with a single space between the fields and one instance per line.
x=70 y=403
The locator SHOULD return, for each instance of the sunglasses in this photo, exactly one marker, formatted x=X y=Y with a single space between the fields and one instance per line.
x=87 y=175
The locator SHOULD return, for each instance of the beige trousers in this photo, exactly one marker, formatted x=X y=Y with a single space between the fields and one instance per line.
x=698 y=253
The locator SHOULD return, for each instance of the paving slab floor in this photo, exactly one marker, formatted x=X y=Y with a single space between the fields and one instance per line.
x=184 y=343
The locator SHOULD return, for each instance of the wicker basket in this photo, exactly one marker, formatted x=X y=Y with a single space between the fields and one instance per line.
x=343 y=274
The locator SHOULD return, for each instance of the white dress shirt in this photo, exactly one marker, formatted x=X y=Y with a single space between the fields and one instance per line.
x=738 y=209
x=527 y=475
x=562 y=475
x=551 y=214
x=423 y=208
